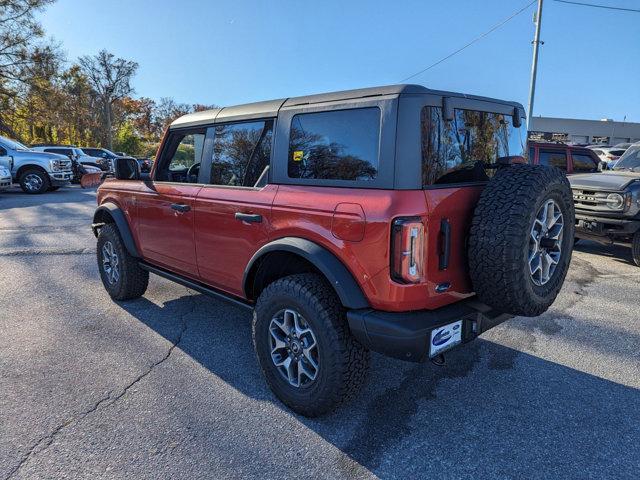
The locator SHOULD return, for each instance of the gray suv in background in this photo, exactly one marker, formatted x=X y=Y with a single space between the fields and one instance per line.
x=608 y=203
x=36 y=172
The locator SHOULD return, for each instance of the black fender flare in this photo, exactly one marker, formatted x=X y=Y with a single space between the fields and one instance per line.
x=121 y=222
x=327 y=263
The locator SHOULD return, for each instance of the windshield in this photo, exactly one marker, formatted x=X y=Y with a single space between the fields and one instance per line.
x=13 y=145
x=458 y=151
x=630 y=160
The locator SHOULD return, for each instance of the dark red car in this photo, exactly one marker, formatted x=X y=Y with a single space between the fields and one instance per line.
x=389 y=219
x=568 y=158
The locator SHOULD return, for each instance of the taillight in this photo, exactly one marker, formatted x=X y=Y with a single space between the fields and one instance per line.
x=407 y=250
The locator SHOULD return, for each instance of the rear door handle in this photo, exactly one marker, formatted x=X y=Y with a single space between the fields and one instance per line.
x=180 y=207
x=248 y=217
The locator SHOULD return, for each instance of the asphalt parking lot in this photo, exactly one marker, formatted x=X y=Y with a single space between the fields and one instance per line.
x=167 y=386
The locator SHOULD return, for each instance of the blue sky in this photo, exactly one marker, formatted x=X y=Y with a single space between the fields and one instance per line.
x=236 y=51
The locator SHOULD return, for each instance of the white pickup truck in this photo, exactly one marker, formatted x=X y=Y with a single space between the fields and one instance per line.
x=36 y=172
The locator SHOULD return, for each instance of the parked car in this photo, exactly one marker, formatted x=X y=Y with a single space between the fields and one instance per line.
x=389 y=219
x=36 y=172
x=608 y=154
x=608 y=204
x=568 y=158
x=81 y=163
x=106 y=155
x=5 y=177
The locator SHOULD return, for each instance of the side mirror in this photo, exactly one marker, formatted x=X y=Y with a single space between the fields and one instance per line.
x=447 y=110
x=127 y=169
x=517 y=119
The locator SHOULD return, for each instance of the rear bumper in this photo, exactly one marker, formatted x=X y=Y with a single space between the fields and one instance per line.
x=407 y=335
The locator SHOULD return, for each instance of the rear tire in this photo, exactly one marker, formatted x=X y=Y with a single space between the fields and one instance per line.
x=34 y=181
x=635 y=248
x=521 y=239
x=338 y=363
x=121 y=274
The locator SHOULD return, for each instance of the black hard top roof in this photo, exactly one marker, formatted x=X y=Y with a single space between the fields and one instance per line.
x=270 y=108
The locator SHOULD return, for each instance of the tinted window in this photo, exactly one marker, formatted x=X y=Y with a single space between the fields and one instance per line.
x=60 y=151
x=583 y=163
x=336 y=145
x=553 y=158
x=457 y=151
x=241 y=153
x=95 y=152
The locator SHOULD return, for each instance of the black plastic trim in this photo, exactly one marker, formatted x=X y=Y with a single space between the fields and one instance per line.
x=197 y=286
x=326 y=262
x=122 y=224
x=406 y=335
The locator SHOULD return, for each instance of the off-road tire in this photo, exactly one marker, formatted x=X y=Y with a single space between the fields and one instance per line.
x=499 y=238
x=133 y=280
x=44 y=179
x=343 y=361
x=635 y=248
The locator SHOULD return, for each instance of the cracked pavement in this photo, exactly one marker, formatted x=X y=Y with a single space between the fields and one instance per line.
x=167 y=386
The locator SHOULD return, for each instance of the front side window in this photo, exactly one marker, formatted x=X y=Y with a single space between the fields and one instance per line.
x=241 y=153
x=583 y=163
x=181 y=157
x=335 y=145
x=553 y=158
x=458 y=151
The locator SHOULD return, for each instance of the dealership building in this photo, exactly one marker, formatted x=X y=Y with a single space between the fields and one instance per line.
x=601 y=132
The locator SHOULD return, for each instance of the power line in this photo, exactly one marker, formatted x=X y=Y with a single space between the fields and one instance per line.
x=480 y=37
x=598 y=6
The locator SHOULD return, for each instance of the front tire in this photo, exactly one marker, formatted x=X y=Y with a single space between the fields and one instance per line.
x=121 y=275
x=308 y=356
x=34 y=181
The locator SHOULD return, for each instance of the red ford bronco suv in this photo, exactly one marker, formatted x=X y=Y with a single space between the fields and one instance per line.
x=396 y=219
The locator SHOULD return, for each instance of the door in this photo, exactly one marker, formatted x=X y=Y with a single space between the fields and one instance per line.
x=165 y=204
x=233 y=209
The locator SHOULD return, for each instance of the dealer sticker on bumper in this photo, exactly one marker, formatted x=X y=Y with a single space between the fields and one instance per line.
x=444 y=338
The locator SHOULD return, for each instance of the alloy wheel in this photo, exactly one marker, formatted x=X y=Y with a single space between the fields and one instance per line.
x=33 y=182
x=110 y=263
x=294 y=349
x=545 y=243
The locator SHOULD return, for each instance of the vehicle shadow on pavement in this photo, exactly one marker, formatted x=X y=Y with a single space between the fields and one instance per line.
x=619 y=253
x=492 y=411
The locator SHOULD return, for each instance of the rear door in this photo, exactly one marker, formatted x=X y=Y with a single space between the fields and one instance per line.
x=233 y=209
x=165 y=204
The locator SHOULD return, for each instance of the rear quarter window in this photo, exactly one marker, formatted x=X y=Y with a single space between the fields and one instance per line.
x=335 y=145
x=553 y=158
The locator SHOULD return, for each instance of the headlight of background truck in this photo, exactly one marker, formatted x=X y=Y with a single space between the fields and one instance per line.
x=617 y=201
x=56 y=165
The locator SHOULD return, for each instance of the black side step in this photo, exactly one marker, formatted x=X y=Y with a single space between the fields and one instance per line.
x=197 y=286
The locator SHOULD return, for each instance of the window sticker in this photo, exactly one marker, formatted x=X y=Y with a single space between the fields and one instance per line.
x=298 y=155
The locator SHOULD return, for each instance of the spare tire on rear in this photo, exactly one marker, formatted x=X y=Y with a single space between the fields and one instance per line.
x=521 y=239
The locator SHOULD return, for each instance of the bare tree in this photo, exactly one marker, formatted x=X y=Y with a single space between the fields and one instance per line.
x=110 y=78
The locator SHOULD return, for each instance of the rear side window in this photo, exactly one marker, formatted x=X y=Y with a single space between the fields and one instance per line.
x=335 y=145
x=241 y=153
x=553 y=158
x=583 y=163
x=458 y=151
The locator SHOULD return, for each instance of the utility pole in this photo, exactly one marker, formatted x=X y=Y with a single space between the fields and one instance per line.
x=534 y=65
